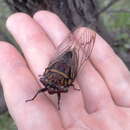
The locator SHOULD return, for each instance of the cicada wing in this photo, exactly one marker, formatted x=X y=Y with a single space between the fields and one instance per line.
x=74 y=64
x=85 y=39
x=65 y=46
x=81 y=43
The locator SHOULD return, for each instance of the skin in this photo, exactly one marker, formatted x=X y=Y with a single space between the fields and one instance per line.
x=103 y=102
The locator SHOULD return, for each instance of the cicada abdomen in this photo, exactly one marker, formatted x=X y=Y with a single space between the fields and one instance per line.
x=71 y=55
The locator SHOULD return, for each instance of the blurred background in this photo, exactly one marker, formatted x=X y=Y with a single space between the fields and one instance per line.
x=110 y=18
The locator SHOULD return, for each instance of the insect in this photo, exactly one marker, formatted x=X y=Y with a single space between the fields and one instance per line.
x=71 y=55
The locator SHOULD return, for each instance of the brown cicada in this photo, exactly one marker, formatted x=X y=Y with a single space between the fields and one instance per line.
x=71 y=56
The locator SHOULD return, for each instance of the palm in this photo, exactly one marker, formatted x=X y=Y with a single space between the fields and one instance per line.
x=102 y=103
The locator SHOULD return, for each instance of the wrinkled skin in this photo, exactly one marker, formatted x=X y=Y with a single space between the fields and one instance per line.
x=103 y=102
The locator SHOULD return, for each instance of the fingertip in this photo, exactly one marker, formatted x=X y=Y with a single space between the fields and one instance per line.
x=45 y=14
x=16 y=18
x=52 y=25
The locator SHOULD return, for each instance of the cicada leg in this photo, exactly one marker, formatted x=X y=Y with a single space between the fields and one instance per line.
x=39 y=91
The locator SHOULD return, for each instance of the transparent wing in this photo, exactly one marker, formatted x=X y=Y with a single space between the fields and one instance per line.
x=81 y=42
x=85 y=39
x=65 y=46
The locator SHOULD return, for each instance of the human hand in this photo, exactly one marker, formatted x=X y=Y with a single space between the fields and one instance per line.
x=103 y=102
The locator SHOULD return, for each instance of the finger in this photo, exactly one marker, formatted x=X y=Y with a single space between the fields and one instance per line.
x=70 y=111
x=33 y=41
x=113 y=71
x=95 y=96
x=18 y=83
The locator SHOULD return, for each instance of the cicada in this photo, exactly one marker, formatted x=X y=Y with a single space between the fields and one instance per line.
x=71 y=55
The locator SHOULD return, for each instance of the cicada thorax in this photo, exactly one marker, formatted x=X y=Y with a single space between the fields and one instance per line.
x=59 y=76
x=66 y=63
